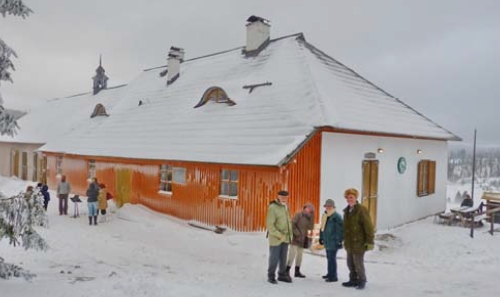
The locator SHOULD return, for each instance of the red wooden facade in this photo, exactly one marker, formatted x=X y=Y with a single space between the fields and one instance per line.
x=137 y=181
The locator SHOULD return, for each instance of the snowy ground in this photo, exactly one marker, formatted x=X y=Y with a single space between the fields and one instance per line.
x=141 y=253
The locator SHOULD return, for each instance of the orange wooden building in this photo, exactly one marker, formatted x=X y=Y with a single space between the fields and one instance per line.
x=199 y=196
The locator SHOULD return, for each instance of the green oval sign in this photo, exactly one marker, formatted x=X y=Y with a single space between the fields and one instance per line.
x=401 y=165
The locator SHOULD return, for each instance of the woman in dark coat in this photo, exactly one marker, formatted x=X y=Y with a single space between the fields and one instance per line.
x=302 y=222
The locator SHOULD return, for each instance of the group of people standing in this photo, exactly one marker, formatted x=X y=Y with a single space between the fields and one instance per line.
x=354 y=231
x=97 y=197
x=97 y=201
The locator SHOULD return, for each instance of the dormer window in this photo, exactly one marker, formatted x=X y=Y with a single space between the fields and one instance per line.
x=99 y=110
x=217 y=95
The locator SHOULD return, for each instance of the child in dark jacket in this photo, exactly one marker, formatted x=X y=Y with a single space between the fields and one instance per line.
x=46 y=196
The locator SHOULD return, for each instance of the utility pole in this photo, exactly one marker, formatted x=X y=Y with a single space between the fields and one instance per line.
x=473 y=164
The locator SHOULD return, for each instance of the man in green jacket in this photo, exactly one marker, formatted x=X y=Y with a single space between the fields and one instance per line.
x=279 y=230
x=358 y=237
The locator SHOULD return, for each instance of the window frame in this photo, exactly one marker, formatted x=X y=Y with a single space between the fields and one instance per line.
x=91 y=169
x=166 y=179
x=226 y=184
x=59 y=162
x=426 y=178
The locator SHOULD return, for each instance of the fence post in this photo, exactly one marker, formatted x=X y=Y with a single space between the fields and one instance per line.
x=472 y=226
x=492 y=222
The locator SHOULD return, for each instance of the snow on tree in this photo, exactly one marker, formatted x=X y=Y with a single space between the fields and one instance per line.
x=8 y=123
x=19 y=215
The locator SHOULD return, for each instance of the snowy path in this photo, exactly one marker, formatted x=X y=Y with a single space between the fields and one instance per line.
x=141 y=253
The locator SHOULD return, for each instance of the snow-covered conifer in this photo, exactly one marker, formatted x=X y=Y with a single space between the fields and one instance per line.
x=8 y=124
x=19 y=215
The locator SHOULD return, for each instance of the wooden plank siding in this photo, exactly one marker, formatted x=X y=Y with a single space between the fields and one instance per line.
x=199 y=198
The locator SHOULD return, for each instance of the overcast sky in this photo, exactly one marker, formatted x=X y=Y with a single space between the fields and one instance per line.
x=441 y=57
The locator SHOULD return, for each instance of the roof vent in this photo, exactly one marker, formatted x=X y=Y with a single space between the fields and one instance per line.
x=175 y=57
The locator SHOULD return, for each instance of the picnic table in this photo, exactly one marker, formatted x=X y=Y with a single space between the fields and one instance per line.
x=468 y=215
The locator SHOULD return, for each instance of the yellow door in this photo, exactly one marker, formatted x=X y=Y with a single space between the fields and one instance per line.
x=123 y=186
x=370 y=188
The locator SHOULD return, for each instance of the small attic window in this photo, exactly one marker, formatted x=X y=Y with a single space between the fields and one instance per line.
x=99 y=110
x=217 y=95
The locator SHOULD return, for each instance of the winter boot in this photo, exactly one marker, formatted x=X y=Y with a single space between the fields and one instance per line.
x=285 y=278
x=351 y=283
x=95 y=220
x=288 y=270
x=272 y=280
x=361 y=285
x=297 y=272
x=90 y=220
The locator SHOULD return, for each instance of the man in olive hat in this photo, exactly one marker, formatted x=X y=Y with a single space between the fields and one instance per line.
x=279 y=230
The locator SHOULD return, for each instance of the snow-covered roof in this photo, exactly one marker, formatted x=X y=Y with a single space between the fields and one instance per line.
x=56 y=117
x=308 y=89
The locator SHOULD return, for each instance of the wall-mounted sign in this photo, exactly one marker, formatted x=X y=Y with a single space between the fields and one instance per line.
x=401 y=165
x=370 y=155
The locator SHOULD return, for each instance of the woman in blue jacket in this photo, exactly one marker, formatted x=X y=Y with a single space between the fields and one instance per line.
x=331 y=236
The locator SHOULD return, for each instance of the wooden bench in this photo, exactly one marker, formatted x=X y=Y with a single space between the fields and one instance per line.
x=476 y=219
x=446 y=218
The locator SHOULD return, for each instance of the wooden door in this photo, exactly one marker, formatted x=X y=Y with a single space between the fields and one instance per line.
x=123 y=186
x=370 y=188
x=24 y=166
x=15 y=162
x=43 y=170
x=35 y=167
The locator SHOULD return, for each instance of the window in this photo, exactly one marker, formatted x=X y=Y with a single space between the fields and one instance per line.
x=426 y=184
x=229 y=183
x=217 y=95
x=91 y=169
x=59 y=164
x=170 y=175
x=166 y=178
x=99 y=110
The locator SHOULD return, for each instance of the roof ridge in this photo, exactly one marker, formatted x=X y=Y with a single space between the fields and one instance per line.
x=300 y=34
x=81 y=94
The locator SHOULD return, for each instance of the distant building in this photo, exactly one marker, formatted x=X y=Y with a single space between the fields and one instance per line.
x=48 y=121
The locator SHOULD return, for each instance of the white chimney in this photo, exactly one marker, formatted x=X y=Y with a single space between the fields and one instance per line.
x=258 y=34
x=175 y=57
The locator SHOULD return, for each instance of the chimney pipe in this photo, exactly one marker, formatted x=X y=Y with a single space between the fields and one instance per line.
x=258 y=35
x=174 y=60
